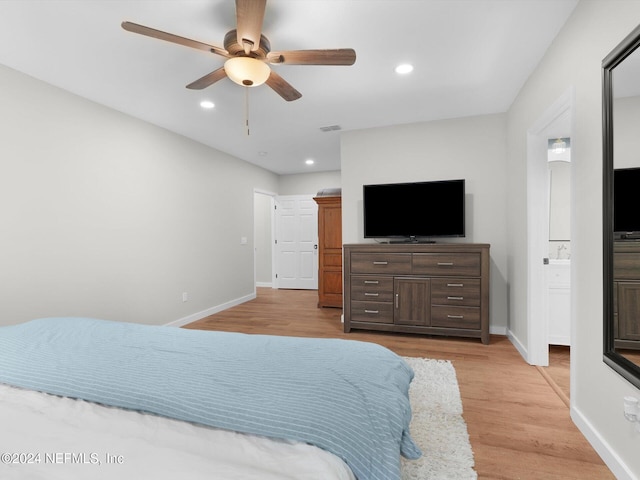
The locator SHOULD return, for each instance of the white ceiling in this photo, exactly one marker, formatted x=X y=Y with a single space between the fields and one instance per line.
x=471 y=57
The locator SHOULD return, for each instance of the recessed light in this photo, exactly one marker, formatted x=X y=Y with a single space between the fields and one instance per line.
x=207 y=104
x=309 y=161
x=404 y=68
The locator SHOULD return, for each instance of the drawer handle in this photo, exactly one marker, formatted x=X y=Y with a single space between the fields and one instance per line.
x=455 y=298
x=456 y=316
x=367 y=294
x=445 y=264
x=381 y=263
x=371 y=282
x=455 y=284
x=374 y=312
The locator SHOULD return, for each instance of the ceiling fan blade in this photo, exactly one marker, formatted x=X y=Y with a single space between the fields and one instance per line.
x=339 y=56
x=169 y=37
x=282 y=87
x=208 y=79
x=249 y=18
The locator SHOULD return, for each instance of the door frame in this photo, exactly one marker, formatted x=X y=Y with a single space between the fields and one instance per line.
x=538 y=225
x=273 y=195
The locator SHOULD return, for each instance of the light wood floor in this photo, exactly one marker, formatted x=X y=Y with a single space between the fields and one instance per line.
x=558 y=370
x=518 y=426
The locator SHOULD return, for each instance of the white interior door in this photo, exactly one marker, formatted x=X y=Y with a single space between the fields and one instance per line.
x=296 y=242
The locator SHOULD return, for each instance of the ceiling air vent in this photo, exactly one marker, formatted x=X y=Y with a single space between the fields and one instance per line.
x=331 y=128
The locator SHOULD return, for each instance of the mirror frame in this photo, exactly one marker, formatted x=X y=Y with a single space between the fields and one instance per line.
x=617 y=362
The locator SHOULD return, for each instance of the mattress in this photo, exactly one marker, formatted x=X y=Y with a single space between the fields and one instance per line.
x=46 y=437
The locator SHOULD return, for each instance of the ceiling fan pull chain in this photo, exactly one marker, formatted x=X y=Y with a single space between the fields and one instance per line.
x=246 y=108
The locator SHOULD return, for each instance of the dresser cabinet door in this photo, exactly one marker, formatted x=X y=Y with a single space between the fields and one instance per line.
x=628 y=311
x=412 y=301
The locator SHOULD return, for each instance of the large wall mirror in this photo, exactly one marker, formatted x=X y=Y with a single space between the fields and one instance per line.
x=621 y=207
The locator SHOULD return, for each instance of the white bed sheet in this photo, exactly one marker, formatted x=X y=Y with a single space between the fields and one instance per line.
x=45 y=437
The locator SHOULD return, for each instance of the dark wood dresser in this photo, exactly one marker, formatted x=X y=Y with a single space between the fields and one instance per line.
x=435 y=289
x=626 y=294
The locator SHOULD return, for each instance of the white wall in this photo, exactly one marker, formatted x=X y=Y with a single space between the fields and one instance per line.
x=627 y=141
x=574 y=59
x=472 y=148
x=107 y=216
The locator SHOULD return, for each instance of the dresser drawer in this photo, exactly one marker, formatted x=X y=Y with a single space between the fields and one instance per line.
x=387 y=263
x=440 y=264
x=375 y=312
x=626 y=266
x=371 y=289
x=455 y=291
x=455 y=317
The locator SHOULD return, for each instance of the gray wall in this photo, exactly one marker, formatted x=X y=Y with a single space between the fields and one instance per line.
x=574 y=59
x=308 y=183
x=472 y=148
x=107 y=216
x=263 y=234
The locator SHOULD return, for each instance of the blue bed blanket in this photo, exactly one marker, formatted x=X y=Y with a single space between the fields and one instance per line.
x=347 y=397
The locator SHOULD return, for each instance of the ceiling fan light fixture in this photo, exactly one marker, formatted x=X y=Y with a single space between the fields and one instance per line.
x=247 y=71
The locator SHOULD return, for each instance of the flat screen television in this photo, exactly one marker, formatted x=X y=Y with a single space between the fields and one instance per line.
x=414 y=211
x=626 y=215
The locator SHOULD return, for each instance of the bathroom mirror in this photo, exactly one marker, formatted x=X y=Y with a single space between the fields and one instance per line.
x=621 y=209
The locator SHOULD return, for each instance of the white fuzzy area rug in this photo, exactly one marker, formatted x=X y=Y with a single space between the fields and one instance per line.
x=437 y=425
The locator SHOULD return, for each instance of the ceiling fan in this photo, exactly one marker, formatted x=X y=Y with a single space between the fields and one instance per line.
x=249 y=54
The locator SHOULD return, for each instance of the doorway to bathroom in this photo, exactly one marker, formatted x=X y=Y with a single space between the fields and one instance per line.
x=549 y=206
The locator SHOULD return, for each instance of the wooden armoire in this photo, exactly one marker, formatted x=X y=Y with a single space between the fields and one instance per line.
x=329 y=202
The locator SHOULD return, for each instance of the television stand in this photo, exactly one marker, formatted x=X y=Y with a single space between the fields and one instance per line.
x=440 y=289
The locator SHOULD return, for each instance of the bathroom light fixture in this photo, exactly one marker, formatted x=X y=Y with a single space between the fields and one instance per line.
x=247 y=71
x=559 y=150
x=559 y=146
x=208 y=104
x=309 y=161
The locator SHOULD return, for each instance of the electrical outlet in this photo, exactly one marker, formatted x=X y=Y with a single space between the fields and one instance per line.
x=185 y=296
x=631 y=408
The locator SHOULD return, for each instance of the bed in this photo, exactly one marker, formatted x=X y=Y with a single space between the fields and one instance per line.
x=83 y=397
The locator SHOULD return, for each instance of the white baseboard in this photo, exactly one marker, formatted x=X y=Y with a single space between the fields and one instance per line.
x=264 y=284
x=210 y=311
x=608 y=455
x=519 y=346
